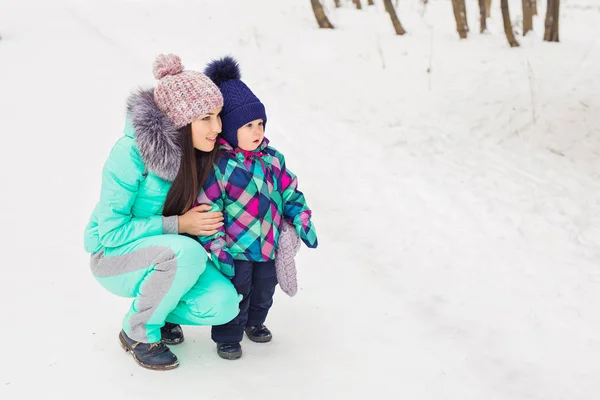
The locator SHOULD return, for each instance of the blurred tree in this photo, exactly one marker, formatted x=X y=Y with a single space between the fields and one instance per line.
x=527 y=16
x=320 y=15
x=508 y=30
x=357 y=4
x=338 y=3
x=389 y=7
x=482 y=16
x=488 y=8
x=534 y=6
x=551 y=25
x=460 y=14
x=370 y=3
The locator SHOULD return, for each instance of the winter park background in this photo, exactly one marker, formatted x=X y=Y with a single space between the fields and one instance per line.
x=454 y=184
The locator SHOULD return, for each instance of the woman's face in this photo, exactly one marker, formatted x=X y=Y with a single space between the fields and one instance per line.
x=251 y=135
x=205 y=130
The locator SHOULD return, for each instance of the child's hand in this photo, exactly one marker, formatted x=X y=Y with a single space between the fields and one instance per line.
x=199 y=222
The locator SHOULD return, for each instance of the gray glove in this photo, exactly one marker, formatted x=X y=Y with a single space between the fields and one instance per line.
x=285 y=266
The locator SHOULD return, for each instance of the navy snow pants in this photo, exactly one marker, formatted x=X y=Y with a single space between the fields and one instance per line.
x=256 y=282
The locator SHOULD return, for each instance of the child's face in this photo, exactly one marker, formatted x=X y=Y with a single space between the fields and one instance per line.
x=251 y=135
x=205 y=130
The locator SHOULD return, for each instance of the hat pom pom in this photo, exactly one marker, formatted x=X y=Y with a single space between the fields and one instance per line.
x=222 y=70
x=167 y=64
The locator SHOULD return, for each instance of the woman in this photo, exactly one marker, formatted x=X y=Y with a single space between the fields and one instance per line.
x=140 y=233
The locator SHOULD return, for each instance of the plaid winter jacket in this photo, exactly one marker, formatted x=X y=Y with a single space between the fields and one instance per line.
x=254 y=190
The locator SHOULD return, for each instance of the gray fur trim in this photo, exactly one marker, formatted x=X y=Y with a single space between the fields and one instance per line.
x=156 y=136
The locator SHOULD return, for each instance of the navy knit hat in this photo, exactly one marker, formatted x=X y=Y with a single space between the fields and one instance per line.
x=240 y=105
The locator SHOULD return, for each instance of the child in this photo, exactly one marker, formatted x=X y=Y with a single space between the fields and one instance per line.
x=253 y=188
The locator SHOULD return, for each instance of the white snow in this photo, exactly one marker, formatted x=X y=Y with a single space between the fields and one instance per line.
x=458 y=210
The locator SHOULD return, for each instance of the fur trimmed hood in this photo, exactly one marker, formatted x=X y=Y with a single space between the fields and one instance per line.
x=156 y=137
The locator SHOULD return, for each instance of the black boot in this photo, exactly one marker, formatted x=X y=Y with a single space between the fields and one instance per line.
x=171 y=334
x=229 y=351
x=259 y=333
x=154 y=356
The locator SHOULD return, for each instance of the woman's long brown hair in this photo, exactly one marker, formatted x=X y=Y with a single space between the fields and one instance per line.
x=193 y=171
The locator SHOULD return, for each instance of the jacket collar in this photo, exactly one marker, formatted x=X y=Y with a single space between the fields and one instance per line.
x=156 y=137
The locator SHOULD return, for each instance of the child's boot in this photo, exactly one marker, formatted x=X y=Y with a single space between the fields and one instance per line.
x=259 y=333
x=229 y=351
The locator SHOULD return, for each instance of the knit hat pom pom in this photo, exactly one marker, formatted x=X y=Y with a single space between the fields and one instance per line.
x=167 y=64
x=222 y=70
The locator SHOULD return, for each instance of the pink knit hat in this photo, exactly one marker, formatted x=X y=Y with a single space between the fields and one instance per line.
x=183 y=95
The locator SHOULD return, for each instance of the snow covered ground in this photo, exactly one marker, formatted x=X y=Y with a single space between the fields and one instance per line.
x=455 y=186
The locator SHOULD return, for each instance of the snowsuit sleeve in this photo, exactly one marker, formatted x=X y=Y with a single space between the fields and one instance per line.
x=121 y=177
x=295 y=209
x=213 y=194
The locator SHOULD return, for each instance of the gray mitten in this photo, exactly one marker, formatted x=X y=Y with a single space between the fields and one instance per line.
x=285 y=266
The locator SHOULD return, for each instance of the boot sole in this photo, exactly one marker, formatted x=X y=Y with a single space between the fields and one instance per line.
x=172 y=343
x=229 y=356
x=128 y=349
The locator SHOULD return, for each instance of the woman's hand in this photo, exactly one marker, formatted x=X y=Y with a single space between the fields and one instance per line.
x=199 y=222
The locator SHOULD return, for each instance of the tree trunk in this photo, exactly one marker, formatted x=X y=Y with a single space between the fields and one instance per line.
x=488 y=8
x=460 y=14
x=551 y=25
x=338 y=3
x=534 y=7
x=510 y=36
x=320 y=15
x=527 y=16
x=389 y=7
x=370 y=3
x=357 y=4
x=482 y=16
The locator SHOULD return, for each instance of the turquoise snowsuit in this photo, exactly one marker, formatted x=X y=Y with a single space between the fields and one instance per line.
x=135 y=251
